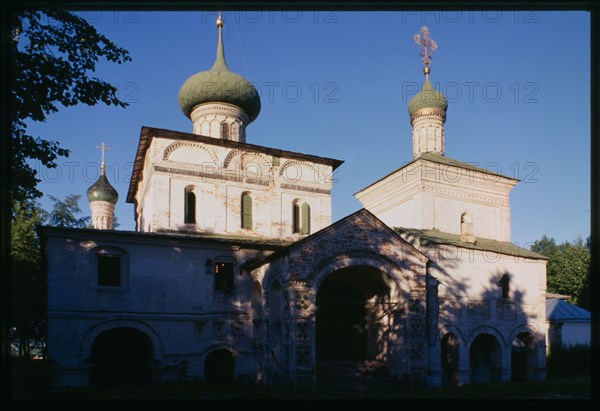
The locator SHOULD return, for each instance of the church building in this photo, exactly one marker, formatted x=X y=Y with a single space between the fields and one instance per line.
x=236 y=273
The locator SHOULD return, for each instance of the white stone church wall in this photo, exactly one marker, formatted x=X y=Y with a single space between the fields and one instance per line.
x=469 y=286
x=219 y=176
x=167 y=293
x=432 y=196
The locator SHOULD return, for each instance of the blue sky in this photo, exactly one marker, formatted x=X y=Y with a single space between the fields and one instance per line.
x=337 y=84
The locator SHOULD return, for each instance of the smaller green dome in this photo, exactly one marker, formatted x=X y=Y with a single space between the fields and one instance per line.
x=102 y=190
x=428 y=97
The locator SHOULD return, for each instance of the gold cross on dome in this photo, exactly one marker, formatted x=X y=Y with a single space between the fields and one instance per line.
x=103 y=148
x=427 y=45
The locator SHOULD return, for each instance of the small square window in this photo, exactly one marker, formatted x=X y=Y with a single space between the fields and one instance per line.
x=224 y=277
x=109 y=271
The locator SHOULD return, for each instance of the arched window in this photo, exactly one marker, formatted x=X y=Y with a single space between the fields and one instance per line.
x=246 y=211
x=296 y=217
x=190 y=206
x=305 y=218
x=300 y=218
x=225 y=131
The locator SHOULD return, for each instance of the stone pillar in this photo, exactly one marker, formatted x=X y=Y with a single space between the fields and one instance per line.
x=464 y=365
x=505 y=373
x=417 y=334
x=102 y=215
x=538 y=373
x=434 y=366
x=302 y=320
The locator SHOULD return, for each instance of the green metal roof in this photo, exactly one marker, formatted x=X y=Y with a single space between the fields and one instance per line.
x=431 y=237
x=219 y=85
x=428 y=97
x=102 y=190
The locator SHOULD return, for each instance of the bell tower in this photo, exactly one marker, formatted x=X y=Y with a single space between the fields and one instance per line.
x=427 y=109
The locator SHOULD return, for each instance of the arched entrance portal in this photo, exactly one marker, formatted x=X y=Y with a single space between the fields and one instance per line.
x=352 y=305
x=121 y=356
x=486 y=359
x=219 y=367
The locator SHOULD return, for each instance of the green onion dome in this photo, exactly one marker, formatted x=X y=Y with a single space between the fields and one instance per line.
x=428 y=97
x=219 y=85
x=102 y=190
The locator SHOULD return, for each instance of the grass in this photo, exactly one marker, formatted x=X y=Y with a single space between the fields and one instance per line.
x=561 y=386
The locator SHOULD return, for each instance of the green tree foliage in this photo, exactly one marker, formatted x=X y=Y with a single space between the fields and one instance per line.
x=28 y=285
x=53 y=53
x=568 y=268
x=66 y=213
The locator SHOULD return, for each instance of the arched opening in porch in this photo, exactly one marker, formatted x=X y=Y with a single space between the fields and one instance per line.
x=485 y=359
x=353 y=307
x=219 y=367
x=121 y=356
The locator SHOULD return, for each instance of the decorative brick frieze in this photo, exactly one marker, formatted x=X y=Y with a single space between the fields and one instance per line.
x=305 y=188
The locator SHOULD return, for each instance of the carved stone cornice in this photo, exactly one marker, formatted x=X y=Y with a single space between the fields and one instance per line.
x=305 y=188
x=104 y=206
x=216 y=109
x=466 y=196
x=428 y=112
x=217 y=175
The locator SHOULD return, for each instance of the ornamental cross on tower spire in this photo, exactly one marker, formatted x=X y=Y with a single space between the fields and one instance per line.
x=427 y=45
x=103 y=148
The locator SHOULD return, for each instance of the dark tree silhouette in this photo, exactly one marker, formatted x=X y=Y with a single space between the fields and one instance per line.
x=53 y=53
x=66 y=213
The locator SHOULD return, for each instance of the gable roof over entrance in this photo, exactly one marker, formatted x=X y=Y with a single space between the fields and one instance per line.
x=363 y=220
x=358 y=240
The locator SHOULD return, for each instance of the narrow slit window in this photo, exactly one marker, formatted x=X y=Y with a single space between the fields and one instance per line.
x=190 y=207
x=246 y=211
x=224 y=277
x=305 y=218
x=296 y=218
